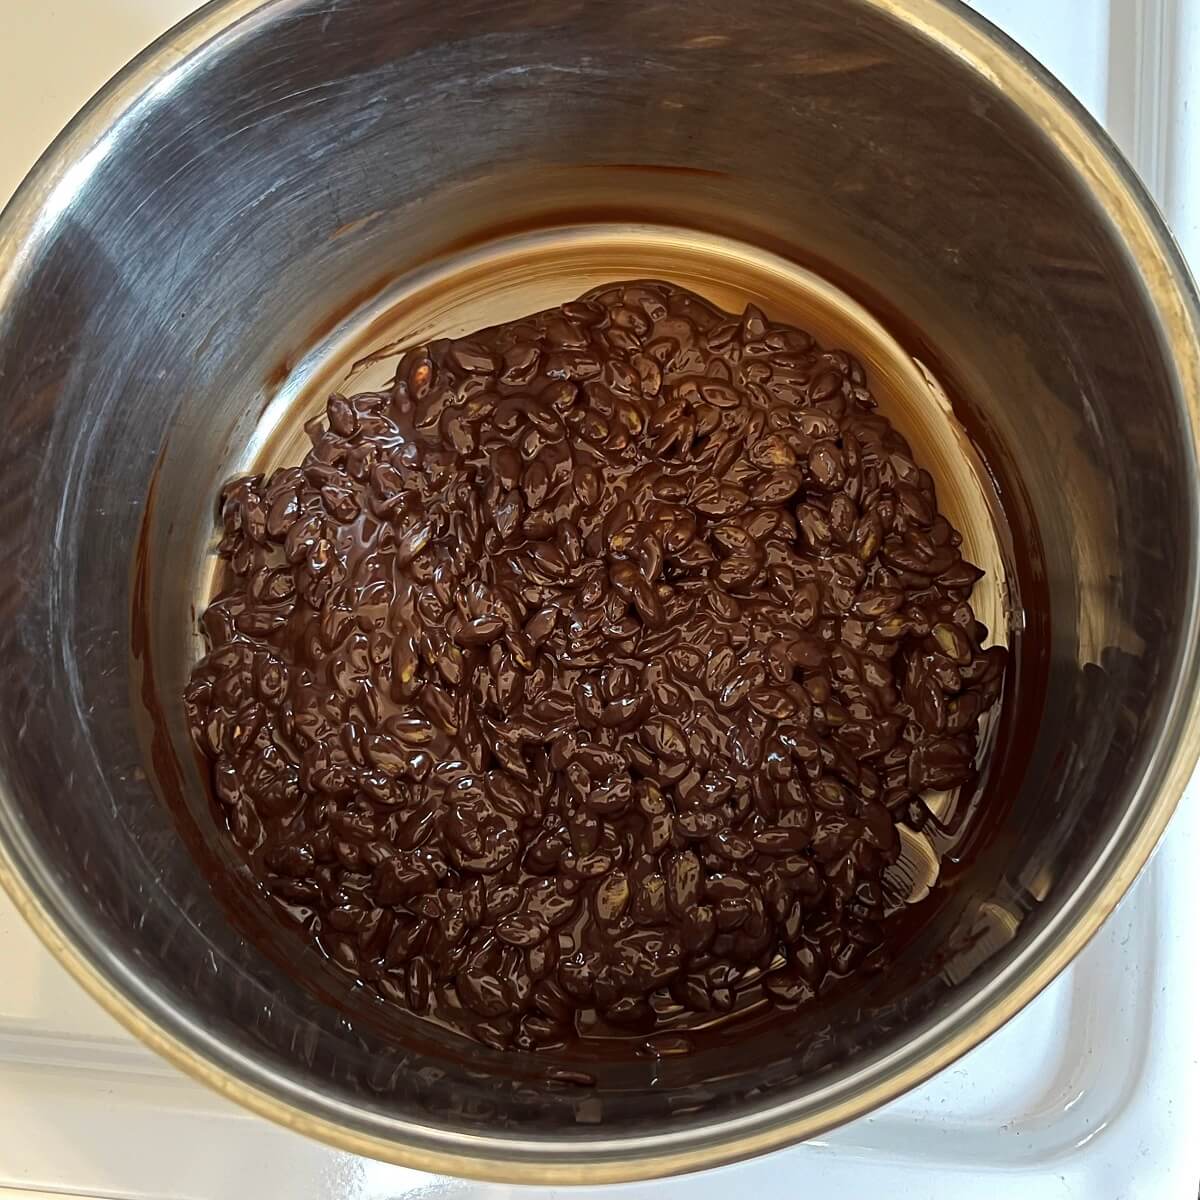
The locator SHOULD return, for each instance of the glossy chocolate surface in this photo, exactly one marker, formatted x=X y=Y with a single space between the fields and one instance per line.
x=576 y=685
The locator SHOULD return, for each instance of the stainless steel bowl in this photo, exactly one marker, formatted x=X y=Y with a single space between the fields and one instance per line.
x=275 y=186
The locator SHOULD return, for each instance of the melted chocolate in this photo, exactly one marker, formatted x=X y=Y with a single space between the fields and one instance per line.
x=575 y=685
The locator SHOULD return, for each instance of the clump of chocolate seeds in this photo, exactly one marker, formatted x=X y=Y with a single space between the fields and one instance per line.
x=577 y=682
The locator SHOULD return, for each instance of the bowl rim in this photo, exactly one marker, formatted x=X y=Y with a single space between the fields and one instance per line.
x=1085 y=149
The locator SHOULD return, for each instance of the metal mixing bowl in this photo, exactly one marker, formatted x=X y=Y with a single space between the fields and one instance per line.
x=272 y=184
